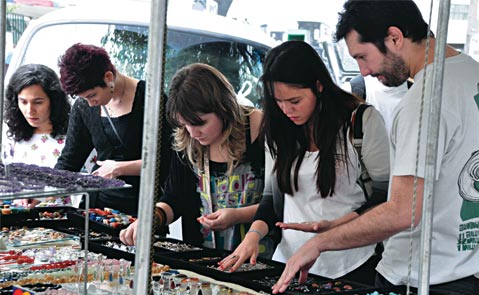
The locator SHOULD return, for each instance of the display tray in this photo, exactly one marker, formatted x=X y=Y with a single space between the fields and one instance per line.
x=205 y=261
x=77 y=219
x=112 y=248
x=36 y=217
x=80 y=232
x=190 y=260
x=26 y=237
x=314 y=285
x=16 y=216
x=170 y=246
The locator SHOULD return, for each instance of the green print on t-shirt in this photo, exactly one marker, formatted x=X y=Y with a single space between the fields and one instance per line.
x=468 y=183
x=468 y=236
x=469 y=190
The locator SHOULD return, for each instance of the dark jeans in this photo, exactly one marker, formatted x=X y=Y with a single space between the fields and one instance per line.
x=465 y=286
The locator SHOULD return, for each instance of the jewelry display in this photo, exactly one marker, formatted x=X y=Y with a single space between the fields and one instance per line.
x=110 y=217
x=120 y=246
x=311 y=285
x=29 y=177
x=175 y=247
x=246 y=267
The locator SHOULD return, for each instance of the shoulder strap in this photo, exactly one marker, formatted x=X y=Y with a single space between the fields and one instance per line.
x=357 y=121
x=357 y=130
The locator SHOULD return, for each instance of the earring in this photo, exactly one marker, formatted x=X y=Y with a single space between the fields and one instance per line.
x=111 y=88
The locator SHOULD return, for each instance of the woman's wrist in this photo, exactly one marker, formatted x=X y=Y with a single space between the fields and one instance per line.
x=118 y=170
x=255 y=232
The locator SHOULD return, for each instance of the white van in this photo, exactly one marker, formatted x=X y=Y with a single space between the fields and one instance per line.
x=235 y=48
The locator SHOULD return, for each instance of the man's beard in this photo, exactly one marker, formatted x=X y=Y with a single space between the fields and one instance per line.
x=394 y=71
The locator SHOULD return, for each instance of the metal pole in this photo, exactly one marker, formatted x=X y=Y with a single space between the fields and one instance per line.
x=434 y=109
x=150 y=131
x=472 y=25
x=3 y=28
x=86 y=237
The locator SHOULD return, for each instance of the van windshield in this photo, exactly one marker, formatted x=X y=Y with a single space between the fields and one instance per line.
x=127 y=45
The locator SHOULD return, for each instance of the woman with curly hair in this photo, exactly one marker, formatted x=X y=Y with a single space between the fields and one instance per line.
x=36 y=114
x=217 y=177
x=107 y=116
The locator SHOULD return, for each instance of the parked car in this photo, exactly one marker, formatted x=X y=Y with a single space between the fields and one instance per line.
x=340 y=64
x=234 y=48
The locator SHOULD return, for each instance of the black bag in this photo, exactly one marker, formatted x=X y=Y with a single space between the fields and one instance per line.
x=364 y=180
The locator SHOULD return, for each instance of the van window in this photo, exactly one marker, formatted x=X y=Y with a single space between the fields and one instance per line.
x=128 y=47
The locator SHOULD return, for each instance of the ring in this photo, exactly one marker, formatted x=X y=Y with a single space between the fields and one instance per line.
x=233 y=257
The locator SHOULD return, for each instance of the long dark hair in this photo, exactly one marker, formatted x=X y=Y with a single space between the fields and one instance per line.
x=28 y=75
x=298 y=64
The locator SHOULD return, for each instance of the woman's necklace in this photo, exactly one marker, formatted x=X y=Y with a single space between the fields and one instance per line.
x=110 y=110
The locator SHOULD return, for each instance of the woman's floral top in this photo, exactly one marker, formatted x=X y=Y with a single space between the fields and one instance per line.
x=41 y=149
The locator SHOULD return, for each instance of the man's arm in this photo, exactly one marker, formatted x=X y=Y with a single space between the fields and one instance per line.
x=374 y=226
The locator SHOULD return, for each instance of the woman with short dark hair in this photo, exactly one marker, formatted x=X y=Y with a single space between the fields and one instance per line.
x=108 y=116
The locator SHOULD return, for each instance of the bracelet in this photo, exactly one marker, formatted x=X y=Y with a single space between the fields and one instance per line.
x=161 y=216
x=256 y=231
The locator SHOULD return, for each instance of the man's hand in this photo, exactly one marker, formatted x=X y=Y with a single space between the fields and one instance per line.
x=301 y=261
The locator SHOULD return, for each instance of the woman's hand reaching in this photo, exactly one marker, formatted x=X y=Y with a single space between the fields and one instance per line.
x=309 y=226
x=318 y=226
x=219 y=220
x=249 y=248
x=108 y=169
x=128 y=235
x=26 y=203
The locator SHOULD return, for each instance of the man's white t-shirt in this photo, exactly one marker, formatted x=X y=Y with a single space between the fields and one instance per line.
x=454 y=251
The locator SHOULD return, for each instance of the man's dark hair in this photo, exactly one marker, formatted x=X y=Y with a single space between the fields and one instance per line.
x=372 y=19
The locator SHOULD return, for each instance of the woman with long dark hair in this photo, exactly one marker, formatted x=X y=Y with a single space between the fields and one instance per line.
x=315 y=167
